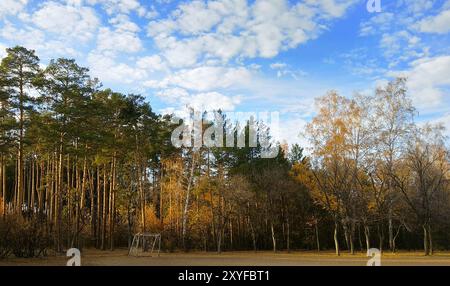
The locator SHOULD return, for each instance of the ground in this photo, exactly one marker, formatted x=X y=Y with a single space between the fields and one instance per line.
x=120 y=257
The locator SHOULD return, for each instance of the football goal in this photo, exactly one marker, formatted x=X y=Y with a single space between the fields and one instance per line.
x=145 y=243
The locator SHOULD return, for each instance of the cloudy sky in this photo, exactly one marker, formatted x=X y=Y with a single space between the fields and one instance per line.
x=238 y=55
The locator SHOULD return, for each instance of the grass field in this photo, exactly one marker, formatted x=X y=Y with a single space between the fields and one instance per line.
x=121 y=258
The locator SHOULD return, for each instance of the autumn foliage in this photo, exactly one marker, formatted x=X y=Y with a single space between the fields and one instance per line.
x=83 y=166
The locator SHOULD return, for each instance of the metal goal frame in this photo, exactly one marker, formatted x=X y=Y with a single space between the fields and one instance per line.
x=145 y=242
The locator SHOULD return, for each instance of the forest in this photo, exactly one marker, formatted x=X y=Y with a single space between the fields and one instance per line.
x=83 y=166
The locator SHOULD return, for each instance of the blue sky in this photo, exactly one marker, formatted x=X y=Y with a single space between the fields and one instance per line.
x=238 y=55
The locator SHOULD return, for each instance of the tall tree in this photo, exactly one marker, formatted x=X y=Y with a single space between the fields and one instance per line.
x=421 y=178
x=7 y=125
x=393 y=118
x=328 y=133
x=19 y=71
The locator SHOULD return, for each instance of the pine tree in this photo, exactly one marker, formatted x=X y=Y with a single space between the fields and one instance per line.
x=19 y=72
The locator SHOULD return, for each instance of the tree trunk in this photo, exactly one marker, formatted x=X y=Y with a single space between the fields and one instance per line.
x=33 y=182
x=252 y=229
x=129 y=225
x=425 y=240
x=58 y=199
x=346 y=235
x=336 y=241
x=186 y=204
x=395 y=238
x=2 y=192
x=141 y=196
x=20 y=189
x=99 y=209
x=430 y=239
x=90 y=180
x=41 y=188
x=231 y=233
x=367 y=235
x=3 y=182
x=219 y=242
x=274 y=241
x=352 y=238
x=288 y=242
x=391 y=232
x=317 y=236
x=15 y=196
x=381 y=237
x=105 y=209
x=112 y=203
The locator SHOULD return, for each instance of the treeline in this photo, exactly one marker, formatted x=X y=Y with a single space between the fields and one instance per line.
x=373 y=169
x=82 y=166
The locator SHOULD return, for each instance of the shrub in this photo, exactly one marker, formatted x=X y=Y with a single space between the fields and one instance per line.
x=5 y=234
x=23 y=236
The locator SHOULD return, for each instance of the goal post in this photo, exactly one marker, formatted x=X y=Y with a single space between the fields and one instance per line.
x=145 y=242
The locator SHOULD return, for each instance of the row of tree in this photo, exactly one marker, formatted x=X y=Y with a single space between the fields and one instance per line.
x=373 y=167
x=85 y=166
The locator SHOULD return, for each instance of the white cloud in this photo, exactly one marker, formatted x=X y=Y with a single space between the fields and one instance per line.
x=398 y=28
x=381 y=22
x=36 y=39
x=172 y=95
x=121 y=37
x=418 y=6
x=120 y=6
x=359 y=63
x=333 y=8
x=283 y=69
x=106 y=68
x=401 y=46
x=118 y=41
x=278 y=65
x=151 y=63
x=123 y=23
x=445 y=121
x=439 y=24
x=211 y=101
x=69 y=22
x=53 y=29
x=180 y=53
x=290 y=131
x=207 y=101
x=107 y=64
x=11 y=7
x=74 y=2
x=226 y=29
x=223 y=47
x=2 y=51
x=206 y=78
x=427 y=80
x=195 y=17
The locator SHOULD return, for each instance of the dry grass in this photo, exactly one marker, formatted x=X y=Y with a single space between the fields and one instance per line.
x=93 y=257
